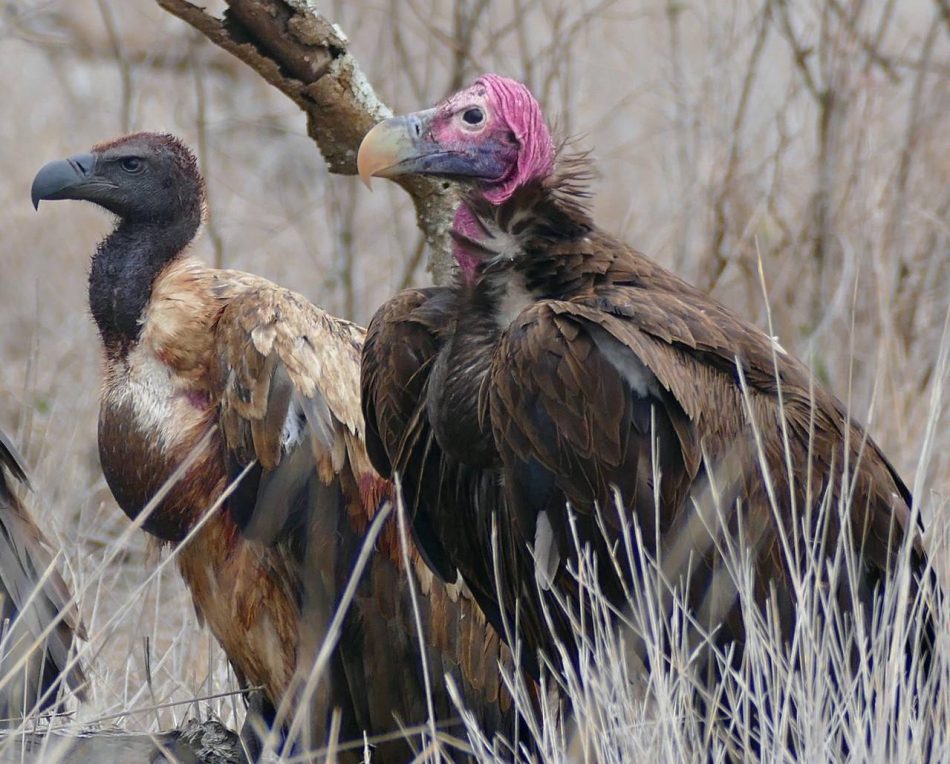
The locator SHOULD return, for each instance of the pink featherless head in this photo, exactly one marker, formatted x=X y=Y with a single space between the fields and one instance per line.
x=513 y=103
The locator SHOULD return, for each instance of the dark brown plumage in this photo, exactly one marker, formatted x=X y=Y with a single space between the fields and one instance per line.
x=213 y=374
x=565 y=366
x=25 y=564
x=452 y=501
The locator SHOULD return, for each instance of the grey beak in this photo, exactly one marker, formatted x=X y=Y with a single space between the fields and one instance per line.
x=56 y=180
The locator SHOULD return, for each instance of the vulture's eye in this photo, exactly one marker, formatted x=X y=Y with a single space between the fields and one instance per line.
x=473 y=117
x=132 y=165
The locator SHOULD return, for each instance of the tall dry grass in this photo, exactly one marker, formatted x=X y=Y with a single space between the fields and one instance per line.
x=809 y=136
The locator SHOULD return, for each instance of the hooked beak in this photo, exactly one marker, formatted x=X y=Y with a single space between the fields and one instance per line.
x=63 y=178
x=396 y=146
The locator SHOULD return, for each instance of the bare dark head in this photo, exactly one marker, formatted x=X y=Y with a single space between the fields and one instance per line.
x=151 y=182
x=142 y=178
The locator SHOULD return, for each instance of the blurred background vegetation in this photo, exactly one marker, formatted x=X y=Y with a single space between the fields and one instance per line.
x=808 y=138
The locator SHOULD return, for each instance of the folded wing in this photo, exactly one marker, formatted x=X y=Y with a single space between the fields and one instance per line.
x=44 y=622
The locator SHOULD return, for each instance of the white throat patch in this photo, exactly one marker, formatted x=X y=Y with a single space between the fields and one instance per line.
x=513 y=299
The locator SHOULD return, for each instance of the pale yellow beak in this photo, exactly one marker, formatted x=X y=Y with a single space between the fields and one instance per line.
x=392 y=147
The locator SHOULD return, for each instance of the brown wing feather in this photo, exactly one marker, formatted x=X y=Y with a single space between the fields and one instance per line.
x=696 y=349
x=451 y=504
x=25 y=558
x=288 y=377
x=581 y=389
x=402 y=342
x=383 y=656
x=289 y=373
x=572 y=426
x=273 y=344
x=400 y=347
x=279 y=358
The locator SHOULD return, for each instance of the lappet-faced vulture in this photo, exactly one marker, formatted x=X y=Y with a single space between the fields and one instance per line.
x=215 y=376
x=571 y=374
x=41 y=621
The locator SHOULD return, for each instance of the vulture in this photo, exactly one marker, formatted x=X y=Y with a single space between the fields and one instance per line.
x=40 y=618
x=586 y=396
x=230 y=428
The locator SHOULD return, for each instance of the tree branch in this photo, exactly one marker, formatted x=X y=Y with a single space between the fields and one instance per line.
x=305 y=56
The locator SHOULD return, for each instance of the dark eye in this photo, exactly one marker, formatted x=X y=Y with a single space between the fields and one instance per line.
x=473 y=116
x=132 y=165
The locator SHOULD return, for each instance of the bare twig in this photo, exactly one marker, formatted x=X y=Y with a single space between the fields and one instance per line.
x=342 y=206
x=402 y=51
x=201 y=126
x=944 y=7
x=898 y=211
x=465 y=18
x=801 y=53
x=732 y=164
x=681 y=120
x=125 y=72
x=305 y=56
x=412 y=265
x=870 y=47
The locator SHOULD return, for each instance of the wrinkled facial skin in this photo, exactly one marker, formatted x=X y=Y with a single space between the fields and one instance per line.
x=492 y=132
x=513 y=126
x=467 y=126
x=133 y=178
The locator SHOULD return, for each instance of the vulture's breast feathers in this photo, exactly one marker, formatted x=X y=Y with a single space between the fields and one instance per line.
x=158 y=410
